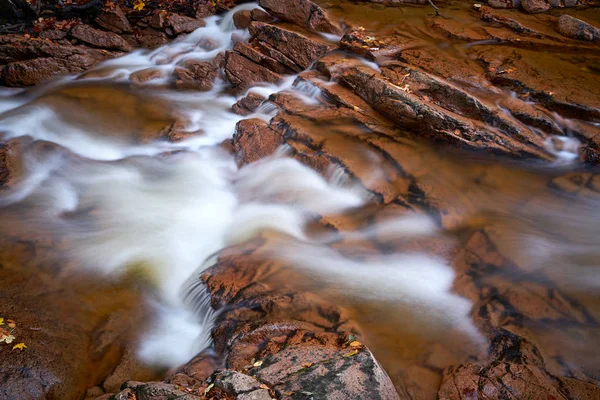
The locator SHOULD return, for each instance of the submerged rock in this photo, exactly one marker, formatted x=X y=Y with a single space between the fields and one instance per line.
x=577 y=29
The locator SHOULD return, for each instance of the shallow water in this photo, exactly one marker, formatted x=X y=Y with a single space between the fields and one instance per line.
x=123 y=204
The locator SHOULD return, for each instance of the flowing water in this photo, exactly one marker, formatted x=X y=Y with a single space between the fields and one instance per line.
x=123 y=204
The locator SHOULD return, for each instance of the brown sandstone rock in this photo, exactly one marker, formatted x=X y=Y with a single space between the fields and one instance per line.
x=151 y=38
x=412 y=112
x=248 y=104
x=577 y=29
x=242 y=19
x=300 y=49
x=182 y=24
x=26 y=62
x=53 y=34
x=114 y=20
x=505 y=3
x=259 y=15
x=11 y=163
x=304 y=13
x=535 y=6
x=98 y=38
x=243 y=72
x=253 y=140
x=198 y=75
x=145 y=75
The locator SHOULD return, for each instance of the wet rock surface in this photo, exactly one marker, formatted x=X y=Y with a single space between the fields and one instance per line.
x=496 y=101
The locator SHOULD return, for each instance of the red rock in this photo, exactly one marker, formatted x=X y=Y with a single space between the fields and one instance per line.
x=243 y=73
x=31 y=61
x=253 y=140
x=114 y=20
x=206 y=8
x=182 y=24
x=242 y=19
x=505 y=3
x=53 y=34
x=300 y=49
x=145 y=75
x=259 y=15
x=535 y=6
x=430 y=120
x=11 y=163
x=304 y=13
x=577 y=29
x=248 y=104
x=98 y=38
x=198 y=75
x=150 y=38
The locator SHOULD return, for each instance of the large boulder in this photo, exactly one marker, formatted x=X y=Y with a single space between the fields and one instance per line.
x=28 y=61
x=243 y=72
x=304 y=13
x=114 y=20
x=577 y=29
x=301 y=49
x=98 y=38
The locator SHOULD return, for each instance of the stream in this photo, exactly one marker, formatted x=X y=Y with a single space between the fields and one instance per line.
x=145 y=216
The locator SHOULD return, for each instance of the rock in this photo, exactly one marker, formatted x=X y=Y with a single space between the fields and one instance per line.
x=11 y=163
x=114 y=20
x=145 y=75
x=153 y=391
x=259 y=15
x=243 y=73
x=415 y=113
x=302 y=50
x=577 y=29
x=182 y=24
x=235 y=382
x=202 y=366
x=198 y=75
x=253 y=140
x=129 y=368
x=242 y=19
x=98 y=38
x=53 y=34
x=31 y=61
x=505 y=3
x=206 y=8
x=304 y=13
x=159 y=19
x=535 y=6
x=248 y=104
x=151 y=38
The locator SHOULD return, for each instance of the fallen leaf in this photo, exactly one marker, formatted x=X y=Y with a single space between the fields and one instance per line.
x=307 y=364
x=257 y=364
x=11 y=323
x=208 y=388
x=355 y=344
x=263 y=386
x=7 y=338
x=139 y=5
x=307 y=393
x=352 y=353
x=1 y=321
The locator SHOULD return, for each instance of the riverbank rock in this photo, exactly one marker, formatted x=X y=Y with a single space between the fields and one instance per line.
x=114 y=20
x=98 y=38
x=248 y=104
x=535 y=6
x=29 y=61
x=303 y=13
x=577 y=29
